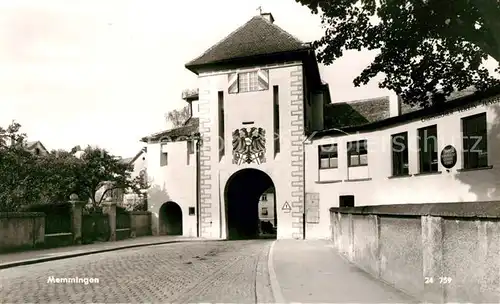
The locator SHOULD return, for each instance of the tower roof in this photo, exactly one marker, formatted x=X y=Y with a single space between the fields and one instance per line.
x=258 y=37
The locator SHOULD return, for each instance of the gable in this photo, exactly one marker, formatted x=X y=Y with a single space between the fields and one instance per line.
x=257 y=37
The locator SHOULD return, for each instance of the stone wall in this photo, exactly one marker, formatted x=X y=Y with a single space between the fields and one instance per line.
x=140 y=223
x=21 y=230
x=437 y=253
x=26 y=230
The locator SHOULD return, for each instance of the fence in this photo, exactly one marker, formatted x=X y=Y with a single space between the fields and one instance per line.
x=438 y=253
x=65 y=224
x=58 y=230
x=122 y=223
x=95 y=227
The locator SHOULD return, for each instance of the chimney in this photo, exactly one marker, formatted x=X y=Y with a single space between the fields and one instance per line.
x=268 y=16
x=394 y=105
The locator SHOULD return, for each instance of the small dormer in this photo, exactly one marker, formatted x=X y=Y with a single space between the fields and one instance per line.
x=268 y=16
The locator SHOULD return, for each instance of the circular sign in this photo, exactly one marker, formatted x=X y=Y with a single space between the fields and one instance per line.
x=449 y=157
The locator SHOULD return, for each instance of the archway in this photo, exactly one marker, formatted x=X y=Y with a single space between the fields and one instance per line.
x=242 y=194
x=170 y=219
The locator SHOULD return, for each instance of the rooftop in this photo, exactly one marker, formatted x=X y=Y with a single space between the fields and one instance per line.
x=190 y=128
x=259 y=36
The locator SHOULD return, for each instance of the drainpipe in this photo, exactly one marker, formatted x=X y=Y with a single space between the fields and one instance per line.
x=304 y=190
x=198 y=163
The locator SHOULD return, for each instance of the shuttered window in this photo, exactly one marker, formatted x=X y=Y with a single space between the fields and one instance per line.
x=248 y=81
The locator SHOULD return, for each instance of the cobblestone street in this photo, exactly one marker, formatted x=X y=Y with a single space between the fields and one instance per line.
x=234 y=271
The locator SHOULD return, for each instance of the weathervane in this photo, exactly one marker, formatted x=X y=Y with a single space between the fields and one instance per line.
x=260 y=9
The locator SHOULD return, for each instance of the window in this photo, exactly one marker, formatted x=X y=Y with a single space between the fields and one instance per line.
x=190 y=146
x=475 y=142
x=37 y=151
x=191 y=211
x=346 y=201
x=328 y=156
x=357 y=153
x=221 y=125
x=263 y=198
x=427 y=149
x=276 y=103
x=264 y=211
x=163 y=155
x=248 y=82
x=400 y=154
x=190 y=150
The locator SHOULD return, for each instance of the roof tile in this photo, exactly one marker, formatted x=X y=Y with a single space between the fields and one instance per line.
x=354 y=113
x=191 y=127
x=256 y=37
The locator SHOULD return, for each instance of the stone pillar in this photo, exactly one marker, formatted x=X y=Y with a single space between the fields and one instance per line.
x=133 y=223
x=375 y=221
x=432 y=248
x=76 y=218
x=109 y=208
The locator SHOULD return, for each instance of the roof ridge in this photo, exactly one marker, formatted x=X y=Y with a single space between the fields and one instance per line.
x=222 y=40
x=386 y=97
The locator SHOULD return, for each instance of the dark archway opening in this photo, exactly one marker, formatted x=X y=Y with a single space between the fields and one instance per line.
x=170 y=219
x=244 y=216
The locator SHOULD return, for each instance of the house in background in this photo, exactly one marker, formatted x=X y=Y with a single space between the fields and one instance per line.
x=36 y=148
x=139 y=163
x=267 y=207
x=126 y=198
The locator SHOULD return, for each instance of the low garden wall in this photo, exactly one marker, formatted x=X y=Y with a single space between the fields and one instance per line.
x=140 y=223
x=63 y=224
x=21 y=230
x=439 y=253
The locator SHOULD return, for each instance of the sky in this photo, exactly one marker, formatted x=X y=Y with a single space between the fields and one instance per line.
x=105 y=72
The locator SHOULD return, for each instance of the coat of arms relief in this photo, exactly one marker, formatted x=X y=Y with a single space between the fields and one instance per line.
x=249 y=146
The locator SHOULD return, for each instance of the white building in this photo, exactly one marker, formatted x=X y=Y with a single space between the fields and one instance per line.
x=139 y=165
x=265 y=120
x=267 y=207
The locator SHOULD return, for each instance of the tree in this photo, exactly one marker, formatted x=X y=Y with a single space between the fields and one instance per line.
x=428 y=48
x=178 y=117
x=57 y=176
x=100 y=171
x=11 y=136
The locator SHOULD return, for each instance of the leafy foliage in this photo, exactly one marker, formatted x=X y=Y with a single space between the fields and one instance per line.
x=178 y=117
x=428 y=49
x=27 y=179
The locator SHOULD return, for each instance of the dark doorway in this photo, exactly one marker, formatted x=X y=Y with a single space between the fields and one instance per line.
x=170 y=219
x=242 y=193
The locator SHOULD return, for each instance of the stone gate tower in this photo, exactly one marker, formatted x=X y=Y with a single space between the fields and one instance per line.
x=259 y=96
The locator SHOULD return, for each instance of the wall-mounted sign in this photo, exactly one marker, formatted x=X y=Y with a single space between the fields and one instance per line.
x=449 y=157
x=286 y=207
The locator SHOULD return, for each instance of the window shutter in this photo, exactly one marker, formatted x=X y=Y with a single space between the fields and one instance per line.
x=263 y=79
x=233 y=83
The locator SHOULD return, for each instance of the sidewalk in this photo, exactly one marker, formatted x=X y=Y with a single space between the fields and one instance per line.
x=312 y=272
x=38 y=256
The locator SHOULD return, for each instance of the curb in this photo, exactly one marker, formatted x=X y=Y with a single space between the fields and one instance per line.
x=74 y=255
x=275 y=285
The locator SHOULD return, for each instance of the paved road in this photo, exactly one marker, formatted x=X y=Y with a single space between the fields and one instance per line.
x=233 y=271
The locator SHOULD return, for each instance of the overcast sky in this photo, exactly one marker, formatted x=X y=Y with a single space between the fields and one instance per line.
x=104 y=72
